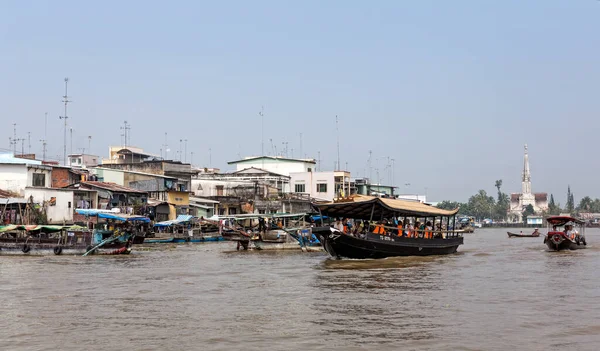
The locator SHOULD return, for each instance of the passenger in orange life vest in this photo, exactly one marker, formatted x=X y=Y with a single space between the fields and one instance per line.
x=428 y=229
x=400 y=228
x=409 y=230
x=417 y=233
x=379 y=229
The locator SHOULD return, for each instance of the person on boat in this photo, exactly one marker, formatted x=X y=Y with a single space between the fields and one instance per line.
x=400 y=228
x=262 y=228
x=428 y=228
x=419 y=229
x=570 y=232
x=339 y=225
x=438 y=229
x=536 y=232
x=379 y=228
x=349 y=225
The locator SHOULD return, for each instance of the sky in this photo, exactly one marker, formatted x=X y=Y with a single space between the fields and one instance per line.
x=450 y=90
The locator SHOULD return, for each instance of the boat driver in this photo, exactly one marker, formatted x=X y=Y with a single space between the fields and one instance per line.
x=570 y=232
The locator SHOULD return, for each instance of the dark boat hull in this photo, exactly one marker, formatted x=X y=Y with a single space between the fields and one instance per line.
x=514 y=235
x=382 y=246
x=557 y=242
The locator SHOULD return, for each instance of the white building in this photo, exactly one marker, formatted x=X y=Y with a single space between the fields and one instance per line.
x=519 y=201
x=276 y=164
x=15 y=177
x=83 y=160
x=321 y=185
x=58 y=203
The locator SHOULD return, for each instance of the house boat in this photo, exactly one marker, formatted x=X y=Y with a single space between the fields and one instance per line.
x=369 y=239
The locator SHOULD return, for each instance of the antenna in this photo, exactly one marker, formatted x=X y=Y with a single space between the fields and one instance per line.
x=89 y=143
x=43 y=149
x=126 y=135
x=180 y=143
x=318 y=160
x=65 y=117
x=71 y=137
x=209 y=157
x=192 y=158
x=29 y=142
x=14 y=139
x=370 y=165
x=45 y=125
x=337 y=132
x=165 y=146
x=301 y=145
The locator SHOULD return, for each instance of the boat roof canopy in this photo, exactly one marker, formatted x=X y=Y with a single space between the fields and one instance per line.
x=361 y=207
x=562 y=220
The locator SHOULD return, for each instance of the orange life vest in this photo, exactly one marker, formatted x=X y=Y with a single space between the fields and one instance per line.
x=399 y=230
x=379 y=229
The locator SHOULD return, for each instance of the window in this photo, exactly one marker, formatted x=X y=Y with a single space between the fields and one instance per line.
x=300 y=188
x=219 y=190
x=309 y=169
x=78 y=161
x=69 y=204
x=232 y=210
x=322 y=187
x=39 y=179
x=73 y=161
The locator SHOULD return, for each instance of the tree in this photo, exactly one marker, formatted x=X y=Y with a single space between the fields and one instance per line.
x=498 y=186
x=481 y=205
x=570 y=205
x=528 y=211
x=502 y=206
x=585 y=205
x=553 y=208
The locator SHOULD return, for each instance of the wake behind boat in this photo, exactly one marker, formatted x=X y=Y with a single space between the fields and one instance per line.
x=384 y=239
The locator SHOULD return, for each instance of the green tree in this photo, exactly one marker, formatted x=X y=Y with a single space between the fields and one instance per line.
x=481 y=205
x=528 y=211
x=595 y=207
x=585 y=205
x=570 y=205
x=448 y=205
x=553 y=208
x=502 y=206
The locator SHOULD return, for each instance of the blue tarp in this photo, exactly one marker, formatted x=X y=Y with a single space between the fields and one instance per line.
x=180 y=219
x=112 y=215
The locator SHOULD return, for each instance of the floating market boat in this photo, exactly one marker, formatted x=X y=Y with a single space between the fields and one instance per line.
x=572 y=237
x=184 y=228
x=269 y=232
x=114 y=236
x=378 y=240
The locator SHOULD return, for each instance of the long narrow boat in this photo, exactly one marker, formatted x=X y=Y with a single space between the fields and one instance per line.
x=183 y=229
x=521 y=235
x=567 y=239
x=381 y=241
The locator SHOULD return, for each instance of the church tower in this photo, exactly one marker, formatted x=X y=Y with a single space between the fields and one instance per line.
x=526 y=182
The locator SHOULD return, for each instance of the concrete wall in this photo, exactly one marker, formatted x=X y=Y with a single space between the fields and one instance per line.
x=34 y=170
x=277 y=166
x=13 y=177
x=310 y=181
x=209 y=187
x=62 y=210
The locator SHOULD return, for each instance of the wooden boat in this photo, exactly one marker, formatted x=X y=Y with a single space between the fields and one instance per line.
x=394 y=242
x=567 y=239
x=521 y=235
x=183 y=229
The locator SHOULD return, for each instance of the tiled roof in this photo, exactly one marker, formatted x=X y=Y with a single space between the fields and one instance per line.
x=111 y=187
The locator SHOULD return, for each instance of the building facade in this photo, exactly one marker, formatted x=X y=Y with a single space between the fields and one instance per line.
x=275 y=164
x=322 y=185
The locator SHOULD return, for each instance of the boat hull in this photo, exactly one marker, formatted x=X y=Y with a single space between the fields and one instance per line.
x=44 y=249
x=382 y=246
x=559 y=242
x=515 y=235
x=200 y=239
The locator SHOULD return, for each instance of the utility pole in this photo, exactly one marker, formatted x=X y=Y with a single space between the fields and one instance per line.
x=166 y=147
x=65 y=117
x=209 y=158
x=180 y=142
x=14 y=139
x=89 y=143
x=71 y=137
x=370 y=160
x=29 y=142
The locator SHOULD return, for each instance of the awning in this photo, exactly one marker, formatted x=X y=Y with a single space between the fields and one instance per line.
x=180 y=219
x=365 y=207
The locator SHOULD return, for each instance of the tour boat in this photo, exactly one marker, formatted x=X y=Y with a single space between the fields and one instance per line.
x=558 y=240
x=380 y=241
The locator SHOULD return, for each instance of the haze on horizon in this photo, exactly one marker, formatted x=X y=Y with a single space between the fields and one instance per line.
x=450 y=90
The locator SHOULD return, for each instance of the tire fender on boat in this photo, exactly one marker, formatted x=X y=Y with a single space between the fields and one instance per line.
x=26 y=248
x=58 y=250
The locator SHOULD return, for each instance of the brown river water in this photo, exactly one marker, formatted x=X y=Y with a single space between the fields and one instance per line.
x=495 y=294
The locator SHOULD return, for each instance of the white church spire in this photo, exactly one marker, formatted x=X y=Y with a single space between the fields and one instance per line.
x=526 y=183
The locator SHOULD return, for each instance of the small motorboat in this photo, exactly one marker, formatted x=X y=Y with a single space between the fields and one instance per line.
x=535 y=234
x=569 y=238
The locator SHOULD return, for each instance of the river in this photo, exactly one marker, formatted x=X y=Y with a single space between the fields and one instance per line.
x=495 y=294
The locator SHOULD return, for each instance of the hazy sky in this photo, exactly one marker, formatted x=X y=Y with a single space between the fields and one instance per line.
x=451 y=90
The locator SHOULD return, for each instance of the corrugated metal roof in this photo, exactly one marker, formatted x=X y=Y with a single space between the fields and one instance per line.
x=7 y=194
x=111 y=187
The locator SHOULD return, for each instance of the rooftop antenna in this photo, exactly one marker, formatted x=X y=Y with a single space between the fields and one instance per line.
x=71 y=137
x=192 y=158
x=185 y=150
x=262 y=136
x=337 y=132
x=43 y=149
x=318 y=160
x=209 y=158
x=127 y=137
x=45 y=125
x=89 y=143
x=272 y=147
x=180 y=143
x=29 y=142
x=14 y=139
x=165 y=146
x=65 y=117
